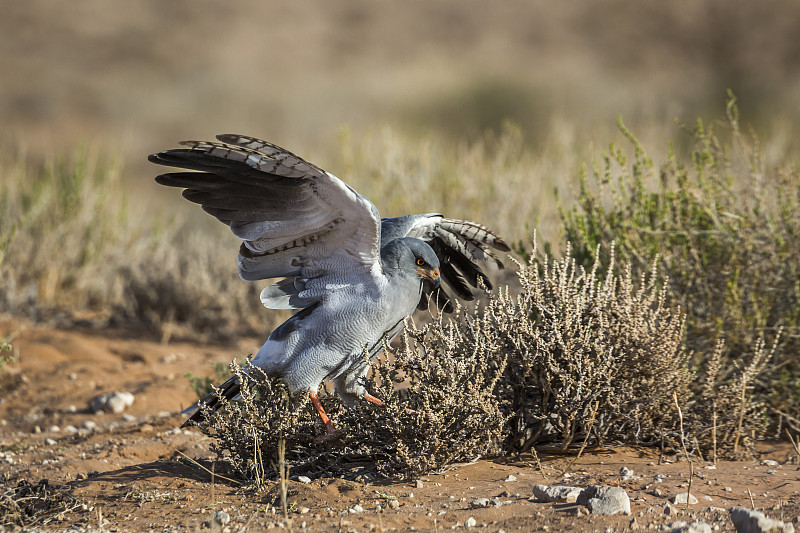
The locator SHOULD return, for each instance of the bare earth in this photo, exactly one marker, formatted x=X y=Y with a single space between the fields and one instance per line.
x=128 y=472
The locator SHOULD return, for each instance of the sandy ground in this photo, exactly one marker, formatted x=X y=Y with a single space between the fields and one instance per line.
x=129 y=471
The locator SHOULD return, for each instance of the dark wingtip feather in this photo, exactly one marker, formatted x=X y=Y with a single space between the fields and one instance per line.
x=500 y=244
x=228 y=390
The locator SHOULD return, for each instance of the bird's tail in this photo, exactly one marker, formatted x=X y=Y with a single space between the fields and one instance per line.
x=228 y=390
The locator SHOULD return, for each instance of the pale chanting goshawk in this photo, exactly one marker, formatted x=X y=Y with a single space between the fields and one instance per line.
x=353 y=277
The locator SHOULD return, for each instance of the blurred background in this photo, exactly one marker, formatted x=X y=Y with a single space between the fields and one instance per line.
x=136 y=78
x=476 y=110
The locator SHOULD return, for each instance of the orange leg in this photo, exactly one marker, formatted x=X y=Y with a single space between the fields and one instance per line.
x=372 y=399
x=325 y=420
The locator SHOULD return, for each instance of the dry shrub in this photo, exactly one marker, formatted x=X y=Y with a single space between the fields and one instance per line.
x=449 y=411
x=583 y=346
x=725 y=415
x=440 y=408
x=35 y=504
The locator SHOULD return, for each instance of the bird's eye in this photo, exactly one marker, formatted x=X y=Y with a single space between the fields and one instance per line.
x=420 y=262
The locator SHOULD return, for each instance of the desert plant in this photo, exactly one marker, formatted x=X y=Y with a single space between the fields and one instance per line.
x=725 y=228
x=5 y=359
x=583 y=346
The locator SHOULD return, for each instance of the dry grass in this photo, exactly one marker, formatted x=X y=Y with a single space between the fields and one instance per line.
x=71 y=247
x=30 y=505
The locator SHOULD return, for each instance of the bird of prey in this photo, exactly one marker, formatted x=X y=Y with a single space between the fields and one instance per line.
x=353 y=277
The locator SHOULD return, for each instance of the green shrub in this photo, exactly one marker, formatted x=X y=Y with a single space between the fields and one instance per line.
x=725 y=229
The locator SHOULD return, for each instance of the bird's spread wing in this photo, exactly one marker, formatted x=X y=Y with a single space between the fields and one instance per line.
x=458 y=244
x=296 y=220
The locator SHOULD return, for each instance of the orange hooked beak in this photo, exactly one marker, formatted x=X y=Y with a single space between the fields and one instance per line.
x=431 y=275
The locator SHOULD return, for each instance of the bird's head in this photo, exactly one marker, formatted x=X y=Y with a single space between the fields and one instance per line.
x=413 y=255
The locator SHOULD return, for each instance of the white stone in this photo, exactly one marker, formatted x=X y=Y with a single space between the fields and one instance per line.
x=749 y=521
x=605 y=500
x=481 y=502
x=683 y=496
x=556 y=493
x=470 y=522
x=511 y=478
x=222 y=518
x=112 y=402
x=304 y=479
x=697 y=526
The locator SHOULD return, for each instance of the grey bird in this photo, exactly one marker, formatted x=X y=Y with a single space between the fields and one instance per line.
x=353 y=277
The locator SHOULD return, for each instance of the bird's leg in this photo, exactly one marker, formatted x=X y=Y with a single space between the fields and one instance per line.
x=329 y=429
x=372 y=399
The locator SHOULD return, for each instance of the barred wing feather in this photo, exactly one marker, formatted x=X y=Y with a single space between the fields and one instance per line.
x=295 y=219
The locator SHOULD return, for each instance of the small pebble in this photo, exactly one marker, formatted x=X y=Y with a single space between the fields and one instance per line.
x=418 y=484
x=470 y=522
x=50 y=442
x=480 y=502
x=394 y=504
x=683 y=496
x=511 y=478
x=222 y=518
x=304 y=479
x=54 y=429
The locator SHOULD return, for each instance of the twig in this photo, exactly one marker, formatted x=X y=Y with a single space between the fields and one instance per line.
x=257 y=465
x=689 y=488
x=752 y=504
x=585 y=439
x=741 y=417
x=795 y=444
x=680 y=419
x=538 y=464
x=714 y=432
x=207 y=470
x=284 y=471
